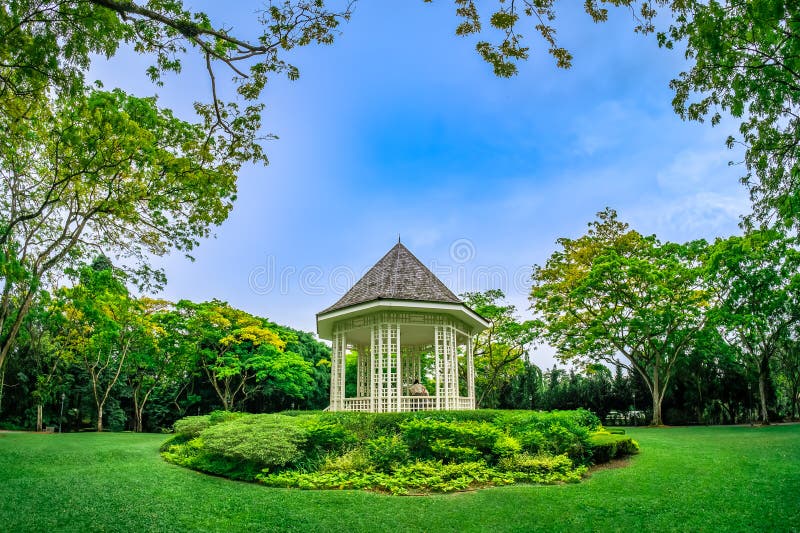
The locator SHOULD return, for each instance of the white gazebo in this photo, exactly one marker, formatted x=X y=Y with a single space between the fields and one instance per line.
x=402 y=321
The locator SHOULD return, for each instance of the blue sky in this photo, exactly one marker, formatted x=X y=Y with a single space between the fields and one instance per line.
x=400 y=128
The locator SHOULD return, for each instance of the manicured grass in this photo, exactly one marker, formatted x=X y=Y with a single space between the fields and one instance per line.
x=685 y=479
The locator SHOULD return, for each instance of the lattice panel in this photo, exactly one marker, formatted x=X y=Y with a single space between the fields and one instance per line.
x=363 y=371
x=338 y=365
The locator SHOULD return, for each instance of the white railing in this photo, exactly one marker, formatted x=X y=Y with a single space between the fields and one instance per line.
x=407 y=404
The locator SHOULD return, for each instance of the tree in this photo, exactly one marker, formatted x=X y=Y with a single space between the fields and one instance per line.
x=499 y=349
x=757 y=280
x=101 y=170
x=744 y=62
x=104 y=328
x=235 y=349
x=97 y=170
x=42 y=363
x=618 y=297
x=163 y=356
x=50 y=44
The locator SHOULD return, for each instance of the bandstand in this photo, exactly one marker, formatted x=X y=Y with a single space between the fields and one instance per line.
x=405 y=326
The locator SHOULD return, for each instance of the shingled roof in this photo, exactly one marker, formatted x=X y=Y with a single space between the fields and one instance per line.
x=399 y=275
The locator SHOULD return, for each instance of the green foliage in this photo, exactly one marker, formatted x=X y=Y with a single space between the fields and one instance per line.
x=268 y=440
x=417 y=477
x=351 y=462
x=450 y=441
x=391 y=452
x=192 y=426
x=193 y=454
x=387 y=453
x=555 y=432
x=616 y=296
x=541 y=468
x=607 y=446
x=500 y=350
x=325 y=436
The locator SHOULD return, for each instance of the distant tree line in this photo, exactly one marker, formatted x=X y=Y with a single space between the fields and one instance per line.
x=115 y=361
x=703 y=332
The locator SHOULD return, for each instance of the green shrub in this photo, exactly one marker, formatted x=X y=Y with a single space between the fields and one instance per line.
x=418 y=452
x=506 y=445
x=356 y=460
x=536 y=464
x=555 y=432
x=418 y=477
x=322 y=437
x=269 y=440
x=541 y=468
x=532 y=440
x=386 y=453
x=449 y=441
x=193 y=454
x=191 y=426
x=220 y=417
x=607 y=446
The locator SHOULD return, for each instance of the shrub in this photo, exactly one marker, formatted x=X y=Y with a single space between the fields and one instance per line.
x=506 y=445
x=353 y=461
x=193 y=454
x=327 y=436
x=536 y=464
x=450 y=441
x=391 y=452
x=607 y=446
x=386 y=453
x=418 y=477
x=555 y=432
x=191 y=426
x=532 y=440
x=268 y=440
x=219 y=417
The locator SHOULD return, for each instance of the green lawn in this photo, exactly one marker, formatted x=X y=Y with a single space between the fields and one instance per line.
x=685 y=479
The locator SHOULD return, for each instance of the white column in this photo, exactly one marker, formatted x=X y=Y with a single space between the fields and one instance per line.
x=338 y=362
x=381 y=378
x=398 y=374
x=470 y=372
x=454 y=340
x=436 y=367
x=372 y=374
x=344 y=370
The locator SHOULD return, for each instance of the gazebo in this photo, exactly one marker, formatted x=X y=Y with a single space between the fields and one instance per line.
x=401 y=321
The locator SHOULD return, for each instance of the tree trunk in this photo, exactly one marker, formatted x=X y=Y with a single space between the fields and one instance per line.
x=39 y=409
x=657 y=397
x=2 y=385
x=763 y=377
x=137 y=412
x=99 y=418
x=657 y=419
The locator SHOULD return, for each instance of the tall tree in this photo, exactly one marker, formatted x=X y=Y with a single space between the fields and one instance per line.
x=90 y=169
x=618 y=297
x=757 y=279
x=105 y=328
x=500 y=349
x=101 y=170
x=163 y=356
x=236 y=349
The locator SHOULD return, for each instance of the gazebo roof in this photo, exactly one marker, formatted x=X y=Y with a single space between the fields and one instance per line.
x=399 y=275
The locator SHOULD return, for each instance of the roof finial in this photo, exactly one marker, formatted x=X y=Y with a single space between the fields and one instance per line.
x=398 y=238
